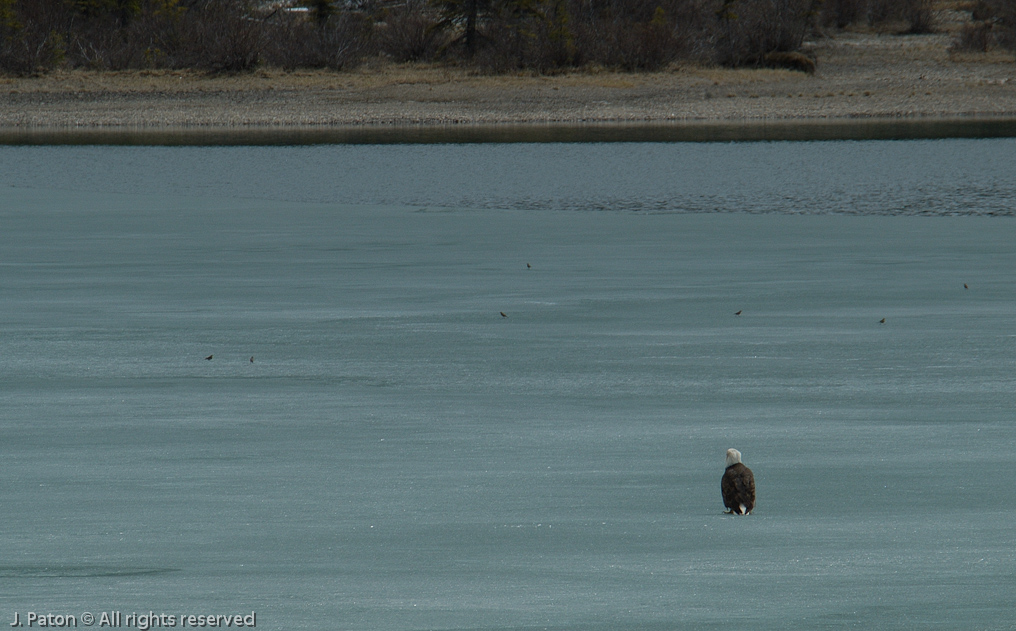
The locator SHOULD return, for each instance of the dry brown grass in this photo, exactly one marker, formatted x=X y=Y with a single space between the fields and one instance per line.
x=378 y=75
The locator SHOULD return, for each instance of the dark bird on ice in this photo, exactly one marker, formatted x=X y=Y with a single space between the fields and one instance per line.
x=737 y=485
x=882 y=321
x=209 y=358
x=504 y=315
x=252 y=359
x=528 y=266
x=965 y=286
x=738 y=312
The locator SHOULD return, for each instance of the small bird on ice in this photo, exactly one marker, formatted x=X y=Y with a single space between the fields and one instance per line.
x=882 y=321
x=504 y=315
x=209 y=358
x=737 y=313
x=252 y=359
x=737 y=485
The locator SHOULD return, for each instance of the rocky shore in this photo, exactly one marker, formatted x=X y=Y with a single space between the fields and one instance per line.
x=860 y=76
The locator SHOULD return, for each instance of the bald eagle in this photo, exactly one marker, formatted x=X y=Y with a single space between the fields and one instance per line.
x=737 y=485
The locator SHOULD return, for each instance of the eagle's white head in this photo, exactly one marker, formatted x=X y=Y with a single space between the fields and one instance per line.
x=733 y=457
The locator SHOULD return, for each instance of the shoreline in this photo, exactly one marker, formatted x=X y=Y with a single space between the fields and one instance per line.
x=906 y=81
x=466 y=133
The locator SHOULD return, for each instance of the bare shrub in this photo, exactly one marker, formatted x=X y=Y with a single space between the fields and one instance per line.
x=636 y=35
x=980 y=10
x=32 y=36
x=532 y=36
x=974 y=37
x=750 y=29
x=993 y=24
x=221 y=36
x=881 y=12
x=547 y=35
x=646 y=46
x=1002 y=15
x=919 y=16
x=146 y=41
x=496 y=35
x=409 y=33
x=843 y=13
x=338 y=42
x=499 y=48
x=510 y=42
x=638 y=46
x=101 y=46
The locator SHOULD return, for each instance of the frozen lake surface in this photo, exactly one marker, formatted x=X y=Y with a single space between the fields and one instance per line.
x=400 y=456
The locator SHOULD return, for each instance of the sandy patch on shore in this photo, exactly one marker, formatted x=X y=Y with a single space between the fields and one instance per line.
x=860 y=75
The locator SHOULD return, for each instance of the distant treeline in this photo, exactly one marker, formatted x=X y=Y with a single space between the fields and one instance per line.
x=496 y=35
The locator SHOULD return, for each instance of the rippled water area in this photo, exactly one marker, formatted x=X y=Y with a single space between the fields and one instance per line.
x=490 y=386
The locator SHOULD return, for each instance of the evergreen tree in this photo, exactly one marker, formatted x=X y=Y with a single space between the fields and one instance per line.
x=468 y=14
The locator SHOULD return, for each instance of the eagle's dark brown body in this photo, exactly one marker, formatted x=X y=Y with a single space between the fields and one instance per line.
x=738 y=487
